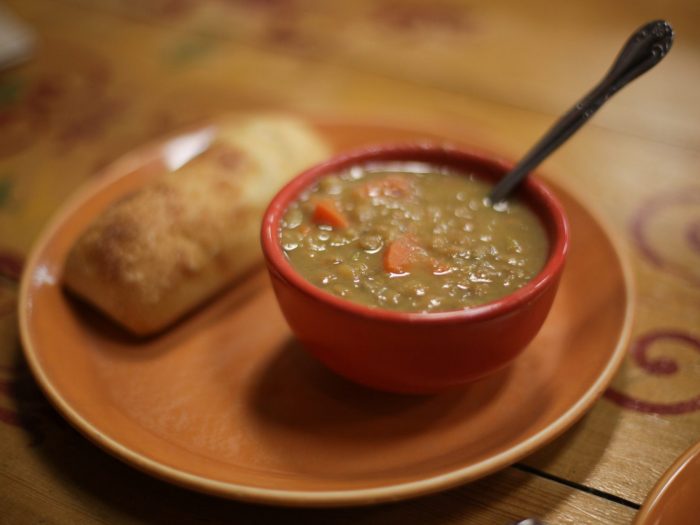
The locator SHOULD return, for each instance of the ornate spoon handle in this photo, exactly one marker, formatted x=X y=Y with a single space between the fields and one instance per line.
x=645 y=48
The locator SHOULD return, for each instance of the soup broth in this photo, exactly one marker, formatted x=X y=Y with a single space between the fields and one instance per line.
x=412 y=237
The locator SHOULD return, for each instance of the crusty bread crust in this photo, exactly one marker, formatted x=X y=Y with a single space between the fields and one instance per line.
x=158 y=253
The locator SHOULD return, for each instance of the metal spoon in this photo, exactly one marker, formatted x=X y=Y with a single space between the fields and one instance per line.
x=645 y=48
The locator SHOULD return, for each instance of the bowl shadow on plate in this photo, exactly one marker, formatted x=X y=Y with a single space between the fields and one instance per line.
x=295 y=394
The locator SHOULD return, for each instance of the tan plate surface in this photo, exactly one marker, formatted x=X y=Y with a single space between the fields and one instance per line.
x=226 y=403
x=675 y=499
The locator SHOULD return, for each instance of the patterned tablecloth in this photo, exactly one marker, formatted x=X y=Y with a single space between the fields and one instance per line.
x=109 y=75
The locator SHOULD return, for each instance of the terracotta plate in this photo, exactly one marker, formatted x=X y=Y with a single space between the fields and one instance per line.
x=227 y=403
x=674 y=498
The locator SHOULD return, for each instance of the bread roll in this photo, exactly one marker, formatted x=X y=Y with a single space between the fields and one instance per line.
x=153 y=256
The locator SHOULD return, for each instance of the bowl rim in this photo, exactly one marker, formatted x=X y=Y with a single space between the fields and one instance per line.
x=429 y=152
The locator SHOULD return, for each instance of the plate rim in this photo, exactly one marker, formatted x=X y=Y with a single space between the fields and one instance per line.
x=661 y=486
x=117 y=169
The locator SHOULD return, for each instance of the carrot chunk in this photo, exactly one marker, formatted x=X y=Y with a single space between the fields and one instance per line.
x=402 y=254
x=326 y=212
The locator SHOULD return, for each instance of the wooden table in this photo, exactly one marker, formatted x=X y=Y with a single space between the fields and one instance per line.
x=111 y=74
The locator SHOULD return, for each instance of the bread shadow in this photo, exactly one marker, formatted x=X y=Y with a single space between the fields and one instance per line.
x=114 y=338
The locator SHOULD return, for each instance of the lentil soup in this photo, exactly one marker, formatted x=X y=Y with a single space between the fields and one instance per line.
x=411 y=237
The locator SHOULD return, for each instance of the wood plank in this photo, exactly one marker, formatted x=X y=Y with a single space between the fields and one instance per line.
x=527 y=55
x=64 y=479
x=618 y=452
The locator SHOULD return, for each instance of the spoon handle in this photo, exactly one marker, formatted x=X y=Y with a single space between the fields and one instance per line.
x=644 y=49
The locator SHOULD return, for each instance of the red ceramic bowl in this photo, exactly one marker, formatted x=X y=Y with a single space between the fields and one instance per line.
x=414 y=352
